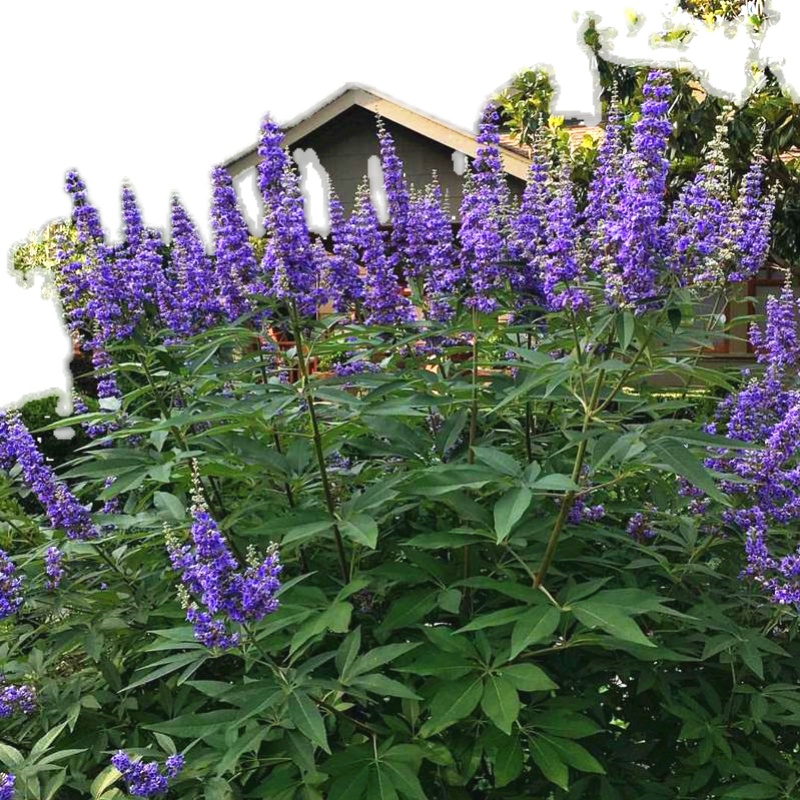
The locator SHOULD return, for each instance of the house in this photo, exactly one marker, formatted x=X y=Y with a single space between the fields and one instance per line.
x=342 y=133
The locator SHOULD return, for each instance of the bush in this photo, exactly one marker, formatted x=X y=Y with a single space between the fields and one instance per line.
x=481 y=559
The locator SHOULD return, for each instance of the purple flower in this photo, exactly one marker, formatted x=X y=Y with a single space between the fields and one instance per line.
x=481 y=234
x=290 y=264
x=235 y=260
x=10 y=587
x=640 y=527
x=430 y=245
x=61 y=506
x=272 y=164
x=753 y=218
x=559 y=264
x=174 y=764
x=603 y=204
x=384 y=302
x=340 y=273
x=53 y=568
x=84 y=215
x=778 y=345
x=529 y=228
x=212 y=577
x=636 y=235
x=193 y=306
x=132 y=219
x=699 y=228
x=398 y=198
x=146 y=780
x=17 y=700
x=7 y=786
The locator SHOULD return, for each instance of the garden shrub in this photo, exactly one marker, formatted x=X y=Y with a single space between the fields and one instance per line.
x=478 y=557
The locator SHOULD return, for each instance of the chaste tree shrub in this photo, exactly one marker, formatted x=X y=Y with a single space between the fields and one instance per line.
x=482 y=555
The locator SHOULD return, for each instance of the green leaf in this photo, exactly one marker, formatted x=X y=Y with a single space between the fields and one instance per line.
x=509 y=509
x=565 y=723
x=611 y=619
x=626 y=324
x=549 y=762
x=381 y=786
x=502 y=617
x=576 y=755
x=445 y=540
x=404 y=780
x=380 y=684
x=409 y=609
x=500 y=702
x=304 y=714
x=528 y=678
x=683 y=463
x=43 y=744
x=452 y=702
x=105 y=780
x=193 y=726
x=535 y=625
x=555 y=482
x=171 y=508
x=752 y=791
x=348 y=651
x=379 y=656
x=361 y=529
x=217 y=789
x=442 y=480
x=10 y=756
x=497 y=460
x=449 y=600
x=447 y=666
x=173 y=664
x=507 y=763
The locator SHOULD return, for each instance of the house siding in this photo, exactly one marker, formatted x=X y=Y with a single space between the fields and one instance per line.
x=345 y=144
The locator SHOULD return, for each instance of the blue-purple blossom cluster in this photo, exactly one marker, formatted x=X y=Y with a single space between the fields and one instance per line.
x=216 y=590
x=766 y=484
x=625 y=246
x=7 y=782
x=10 y=587
x=146 y=779
x=17 y=700
x=53 y=568
x=17 y=446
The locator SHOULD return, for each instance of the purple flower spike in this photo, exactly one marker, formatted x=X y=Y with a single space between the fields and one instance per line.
x=53 y=568
x=7 y=782
x=61 y=506
x=384 y=302
x=482 y=224
x=215 y=591
x=10 y=587
x=146 y=780
x=235 y=260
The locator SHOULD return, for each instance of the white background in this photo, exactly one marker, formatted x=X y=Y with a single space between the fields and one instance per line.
x=158 y=92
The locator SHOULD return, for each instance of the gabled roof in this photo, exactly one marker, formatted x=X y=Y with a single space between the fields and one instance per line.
x=515 y=162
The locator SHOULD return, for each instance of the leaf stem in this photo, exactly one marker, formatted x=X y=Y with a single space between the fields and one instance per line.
x=317 y=439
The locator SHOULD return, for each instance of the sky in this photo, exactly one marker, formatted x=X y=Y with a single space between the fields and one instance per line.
x=157 y=93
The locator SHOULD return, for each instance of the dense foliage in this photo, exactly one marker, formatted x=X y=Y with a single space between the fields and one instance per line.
x=451 y=540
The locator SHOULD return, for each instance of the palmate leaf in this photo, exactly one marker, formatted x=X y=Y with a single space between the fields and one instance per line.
x=611 y=619
x=377 y=657
x=304 y=714
x=500 y=701
x=682 y=462
x=536 y=625
x=452 y=702
x=509 y=510
x=548 y=760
